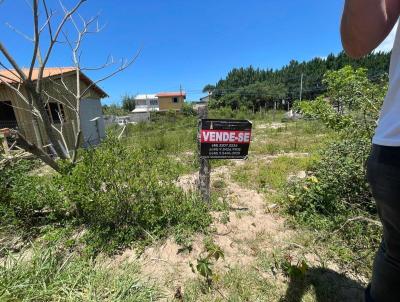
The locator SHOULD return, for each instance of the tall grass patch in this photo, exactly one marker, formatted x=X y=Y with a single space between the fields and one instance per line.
x=48 y=274
x=270 y=174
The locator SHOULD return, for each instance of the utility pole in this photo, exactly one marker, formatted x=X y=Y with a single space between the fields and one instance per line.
x=301 y=86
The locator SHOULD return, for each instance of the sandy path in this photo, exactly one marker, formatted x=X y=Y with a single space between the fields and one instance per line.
x=249 y=219
x=252 y=228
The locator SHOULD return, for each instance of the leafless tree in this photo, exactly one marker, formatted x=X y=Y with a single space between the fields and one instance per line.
x=32 y=90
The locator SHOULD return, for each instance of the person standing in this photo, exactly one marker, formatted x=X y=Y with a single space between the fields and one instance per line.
x=365 y=24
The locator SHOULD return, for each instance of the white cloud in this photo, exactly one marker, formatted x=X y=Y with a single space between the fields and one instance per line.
x=387 y=44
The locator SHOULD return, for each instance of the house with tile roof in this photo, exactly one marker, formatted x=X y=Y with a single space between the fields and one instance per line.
x=163 y=101
x=171 y=100
x=59 y=85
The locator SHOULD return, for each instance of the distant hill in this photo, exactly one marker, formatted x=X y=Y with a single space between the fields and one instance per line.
x=256 y=88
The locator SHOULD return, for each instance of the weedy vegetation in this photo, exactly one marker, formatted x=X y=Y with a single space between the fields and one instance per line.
x=60 y=232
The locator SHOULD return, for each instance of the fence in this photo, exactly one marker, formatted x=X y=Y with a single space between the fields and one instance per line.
x=123 y=120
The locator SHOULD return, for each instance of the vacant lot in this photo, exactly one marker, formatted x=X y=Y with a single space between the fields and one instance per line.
x=244 y=247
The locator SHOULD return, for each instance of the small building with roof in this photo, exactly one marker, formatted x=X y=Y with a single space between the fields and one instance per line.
x=146 y=103
x=163 y=101
x=59 y=85
x=171 y=100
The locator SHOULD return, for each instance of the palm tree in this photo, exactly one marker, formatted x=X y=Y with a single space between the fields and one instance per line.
x=209 y=89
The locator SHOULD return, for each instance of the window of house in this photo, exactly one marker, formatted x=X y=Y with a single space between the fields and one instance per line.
x=7 y=115
x=175 y=100
x=141 y=103
x=153 y=102
x=56 y=112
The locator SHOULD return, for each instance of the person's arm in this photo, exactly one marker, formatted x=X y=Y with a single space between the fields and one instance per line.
x=366 y=23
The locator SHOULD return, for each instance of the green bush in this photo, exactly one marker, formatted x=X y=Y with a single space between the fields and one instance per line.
x=126 y=195
x=10 y=174
x=36 y=199
x=188 y=110
x=337 y=185
x=121 y=193
x=336 y=198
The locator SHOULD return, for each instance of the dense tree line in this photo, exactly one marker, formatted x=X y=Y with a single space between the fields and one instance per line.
x=259 y=88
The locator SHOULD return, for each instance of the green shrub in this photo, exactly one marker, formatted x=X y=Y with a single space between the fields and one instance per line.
x=126 y=195
x=188 y=110
x=337 y=186
x=121 y=193
x=336 y=198
x=36 y=199
x=10 y=174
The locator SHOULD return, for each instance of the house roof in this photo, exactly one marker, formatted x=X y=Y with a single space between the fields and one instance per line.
x=146 y=97
x=171 y=94
x=10 y=76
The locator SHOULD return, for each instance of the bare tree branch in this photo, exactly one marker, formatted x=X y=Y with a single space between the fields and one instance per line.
x=30 y=6
x=66 y=17
x=63 y=85
x=32 y=90
x=36 y=38
x=110 y=61
x=49 y=16
x=28 y=146
x=27 y=110
x=12 y=61
x=7 y=78
x=25 y=36
x=68 y=104
x=19 y=93
x=124 y=65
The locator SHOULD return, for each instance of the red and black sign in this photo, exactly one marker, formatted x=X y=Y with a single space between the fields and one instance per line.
x=225 y=139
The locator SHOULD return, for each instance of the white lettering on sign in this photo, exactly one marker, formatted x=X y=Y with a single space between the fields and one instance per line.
x=225 y=136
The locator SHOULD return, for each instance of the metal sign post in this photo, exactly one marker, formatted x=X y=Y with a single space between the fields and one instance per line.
x=220 y=139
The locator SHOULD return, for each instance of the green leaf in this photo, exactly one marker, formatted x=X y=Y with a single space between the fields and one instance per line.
x=204 y=267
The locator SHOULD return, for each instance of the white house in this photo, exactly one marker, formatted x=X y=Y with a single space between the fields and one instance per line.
x=146 y=103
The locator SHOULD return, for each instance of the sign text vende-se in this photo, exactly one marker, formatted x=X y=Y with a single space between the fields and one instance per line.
x=225 y=139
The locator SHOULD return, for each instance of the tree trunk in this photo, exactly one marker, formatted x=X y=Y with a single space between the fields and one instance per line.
x=32 y=148
x=51 y=135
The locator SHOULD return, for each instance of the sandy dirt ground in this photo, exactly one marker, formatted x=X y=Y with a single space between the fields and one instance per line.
x=253 y=226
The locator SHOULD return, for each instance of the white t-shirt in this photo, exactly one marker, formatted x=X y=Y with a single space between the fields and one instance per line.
x=388 y=130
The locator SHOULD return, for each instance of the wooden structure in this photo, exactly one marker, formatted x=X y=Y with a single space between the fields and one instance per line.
x=58 y=83
x=205 y=166
x=171 y=100
x=3 y=140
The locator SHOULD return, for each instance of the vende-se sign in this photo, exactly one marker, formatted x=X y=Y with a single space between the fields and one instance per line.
x=225 y=139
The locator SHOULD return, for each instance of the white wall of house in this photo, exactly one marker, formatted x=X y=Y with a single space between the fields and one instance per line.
x=92 y=122
x=146 y=103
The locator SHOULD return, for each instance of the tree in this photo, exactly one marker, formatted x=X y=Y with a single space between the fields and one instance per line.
x=33 y=91
x=351 y=103
x=227 y=90
x=128 y=103
x=114 y=109
x=209 y=89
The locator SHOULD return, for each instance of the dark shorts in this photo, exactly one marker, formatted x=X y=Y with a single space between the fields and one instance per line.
x=384 y=179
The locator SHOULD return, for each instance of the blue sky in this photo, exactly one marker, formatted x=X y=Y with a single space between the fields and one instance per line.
x=189 y=43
